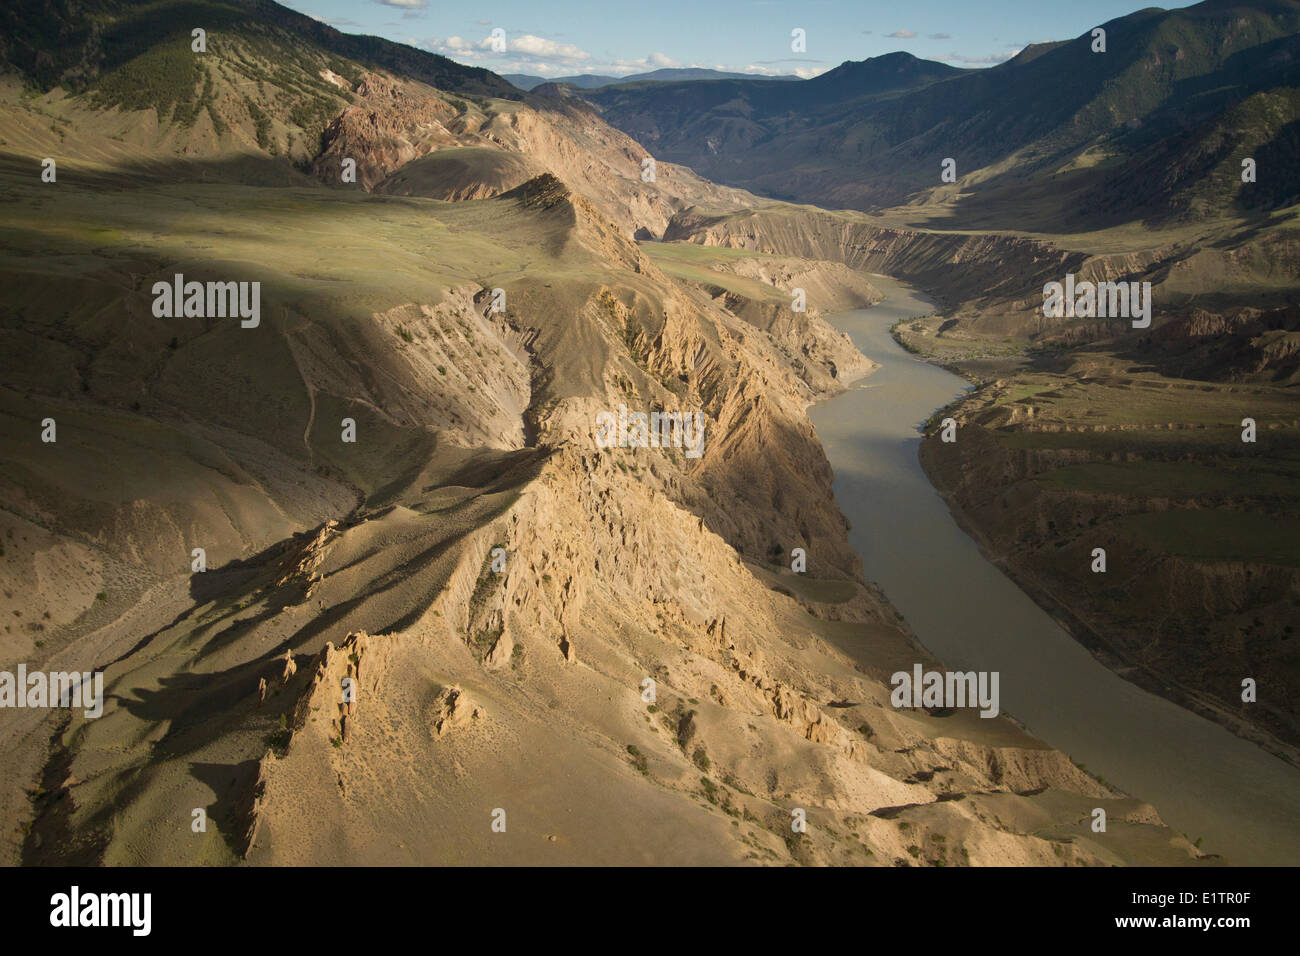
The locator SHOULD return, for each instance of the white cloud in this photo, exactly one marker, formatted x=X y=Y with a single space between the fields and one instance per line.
x=645 y=64
x=334 y=21
x=902 y=34
x=452 y=46
x=530 y=45
x=804 y=72
x=993 y=59
x=540 y=56
x=524 y=53
x=404 y=4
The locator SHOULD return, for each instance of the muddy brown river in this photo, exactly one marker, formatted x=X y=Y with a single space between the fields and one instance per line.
x=1204 y=781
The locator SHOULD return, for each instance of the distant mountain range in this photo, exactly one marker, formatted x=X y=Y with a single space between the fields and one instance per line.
x=1154 y=127
x=592 y=81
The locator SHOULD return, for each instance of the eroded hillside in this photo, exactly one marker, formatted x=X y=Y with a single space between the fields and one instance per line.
x=1086 y=432
x=426 y=593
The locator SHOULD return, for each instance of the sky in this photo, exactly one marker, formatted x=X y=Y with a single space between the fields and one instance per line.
x=619 y=37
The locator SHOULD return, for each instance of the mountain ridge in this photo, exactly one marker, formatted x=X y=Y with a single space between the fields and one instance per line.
x=1009 y=126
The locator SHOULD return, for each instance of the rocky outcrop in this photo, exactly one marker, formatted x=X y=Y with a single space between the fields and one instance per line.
x=453 y=708
x=391 y=124
x=337 y=685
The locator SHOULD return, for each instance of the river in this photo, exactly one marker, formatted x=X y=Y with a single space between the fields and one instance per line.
x=1204 y=781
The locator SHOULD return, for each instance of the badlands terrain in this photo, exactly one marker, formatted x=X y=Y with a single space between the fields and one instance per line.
x=605 y=647
x=1127 y=166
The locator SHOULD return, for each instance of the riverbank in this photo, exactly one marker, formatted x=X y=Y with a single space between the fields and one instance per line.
x=1067 y=454
x=1108 y=653
x=1238 y=800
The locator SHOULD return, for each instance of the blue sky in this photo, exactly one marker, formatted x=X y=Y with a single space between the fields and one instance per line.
x=563 y=37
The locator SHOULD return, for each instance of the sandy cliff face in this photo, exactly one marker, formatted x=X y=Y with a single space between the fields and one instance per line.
x=755 y=716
